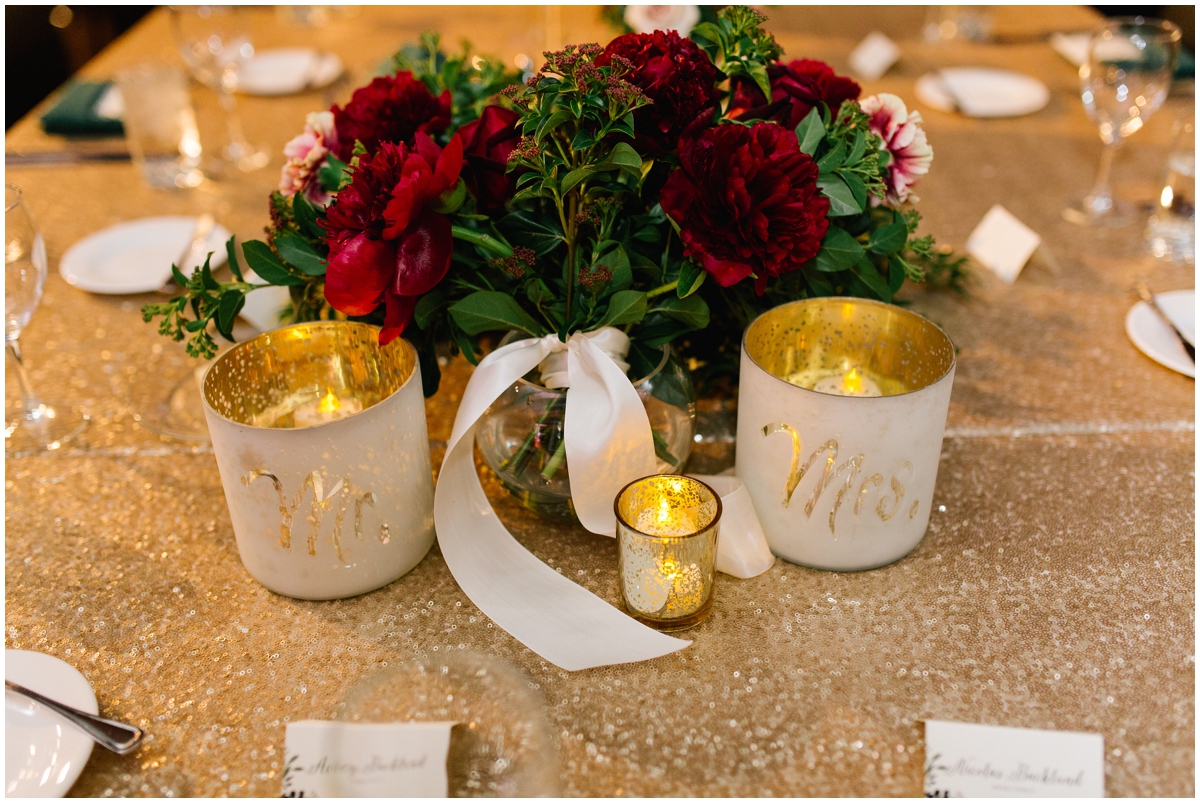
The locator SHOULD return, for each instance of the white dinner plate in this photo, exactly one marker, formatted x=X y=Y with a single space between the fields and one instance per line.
x=288 y=70
x=43 y=753
x=136 y=256
x=982 y=92
x=1154 y=339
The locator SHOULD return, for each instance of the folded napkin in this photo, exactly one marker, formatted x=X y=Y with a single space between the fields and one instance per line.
x=1074 y=48
x=76 y=112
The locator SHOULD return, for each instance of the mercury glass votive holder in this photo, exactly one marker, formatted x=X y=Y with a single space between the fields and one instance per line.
x=323 y=450
x=667 y=529
x=842 y=407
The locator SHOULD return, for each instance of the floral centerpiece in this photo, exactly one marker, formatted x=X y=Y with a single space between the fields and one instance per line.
x=668 y=187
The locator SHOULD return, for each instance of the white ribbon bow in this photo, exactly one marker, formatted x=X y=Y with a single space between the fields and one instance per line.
x=608 y=444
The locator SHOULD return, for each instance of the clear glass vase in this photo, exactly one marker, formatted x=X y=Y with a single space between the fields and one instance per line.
x=521 y=434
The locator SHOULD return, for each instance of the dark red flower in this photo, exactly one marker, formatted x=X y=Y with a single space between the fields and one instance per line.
x=795 y=89
x=674 y=73
x=386 y=246
x=487 y=142
x=746 y=201
x=389 y=109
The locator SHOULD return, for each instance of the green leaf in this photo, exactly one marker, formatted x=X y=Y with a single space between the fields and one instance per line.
x=206 y=275
x=691 y=276
x=889 y=239
x=841 y=197
x=300 y=255
x=263 y=261
x=819 y=284
x=857 y=188
x=692 y=311
x=552 y=122
x=865 y=270
x=810 y=132
x=625 y=306
x=532 y=231
x=758 y=71
x=832 y=160
x=231 y=257
x=574 y=177
x=333 y=174
x=617 y=261
x=230 y=306
x=857 y=149
x=449 y=201
x=464 y=344
x=306 y=217
x=838 y=251
x=428 y=306
x=625 y=157
x=180 y=279
x=583 y=140
x=491 y=310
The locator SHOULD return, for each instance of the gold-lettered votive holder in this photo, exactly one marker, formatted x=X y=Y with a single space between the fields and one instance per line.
x=667 y=528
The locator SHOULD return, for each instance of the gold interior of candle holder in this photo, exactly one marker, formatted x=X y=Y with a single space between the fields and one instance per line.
x=668 y=506
x=903 y=351
x=262 y=381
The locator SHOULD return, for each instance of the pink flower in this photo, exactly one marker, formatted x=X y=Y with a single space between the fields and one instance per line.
x=904 y=140
x=306 y=155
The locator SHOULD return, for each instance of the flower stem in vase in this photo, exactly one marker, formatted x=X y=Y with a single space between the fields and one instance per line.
x=556 y=460
x=521 y=458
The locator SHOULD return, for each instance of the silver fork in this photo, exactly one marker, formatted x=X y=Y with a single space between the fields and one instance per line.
x=115 y=736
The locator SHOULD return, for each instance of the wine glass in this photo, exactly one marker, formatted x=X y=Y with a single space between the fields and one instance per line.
x=1171 y=230
x=39 y=425
x=215 y=44
x=1124 y=80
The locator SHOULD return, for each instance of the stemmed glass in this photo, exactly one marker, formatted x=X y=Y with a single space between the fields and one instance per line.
x=1124 y=80
x=39 y=425
x=214 y=44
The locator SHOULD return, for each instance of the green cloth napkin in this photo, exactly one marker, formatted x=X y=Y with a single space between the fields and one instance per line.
x=75 y=112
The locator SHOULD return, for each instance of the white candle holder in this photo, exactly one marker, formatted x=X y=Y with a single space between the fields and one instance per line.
x=842 y=482
x=321 y=441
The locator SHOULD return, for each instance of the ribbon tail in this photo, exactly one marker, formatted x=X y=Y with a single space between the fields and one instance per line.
x=742 y=549
x=604 y=413
x=562 y=622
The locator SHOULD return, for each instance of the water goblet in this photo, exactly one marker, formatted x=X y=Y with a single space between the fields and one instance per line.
x=38 y=425
x=1124 y=80
x=214 y=44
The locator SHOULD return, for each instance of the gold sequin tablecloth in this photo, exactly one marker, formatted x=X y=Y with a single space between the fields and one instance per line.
x=1055 y=587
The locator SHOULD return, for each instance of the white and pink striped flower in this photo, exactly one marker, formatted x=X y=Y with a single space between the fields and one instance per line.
x=306 y=155
x=904 y=139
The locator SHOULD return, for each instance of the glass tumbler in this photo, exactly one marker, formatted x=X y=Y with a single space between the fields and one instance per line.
x=1171 y=230
x=667 y=528
x=160 y=125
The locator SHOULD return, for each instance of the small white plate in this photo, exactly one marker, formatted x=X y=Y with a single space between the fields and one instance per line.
x=288 y=70
x=1154 y=339
x=982 y=92
x=136 y=256
x=43 y=753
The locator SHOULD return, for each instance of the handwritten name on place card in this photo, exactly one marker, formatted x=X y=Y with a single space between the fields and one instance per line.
x=351 y=759
x=964 y=760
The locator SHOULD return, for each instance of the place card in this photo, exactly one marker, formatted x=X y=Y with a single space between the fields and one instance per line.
x=874 y=56
x=964 y=760
x=1002 y=243
x=353 y=759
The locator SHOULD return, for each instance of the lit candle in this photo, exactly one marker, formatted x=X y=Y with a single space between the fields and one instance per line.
x=852 y=383
x=329 y=407
x=667 y=541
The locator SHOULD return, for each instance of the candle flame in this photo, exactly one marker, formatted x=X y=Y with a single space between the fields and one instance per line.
x=664 y=511
x=670 y=568
x=852 y=382
x=329 y=403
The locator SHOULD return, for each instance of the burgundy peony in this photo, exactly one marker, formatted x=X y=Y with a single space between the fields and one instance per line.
x=389 y=109
x=674 y=73
x=487 y=142
x=746 y=201
x=386 y=245
x=796 y=88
